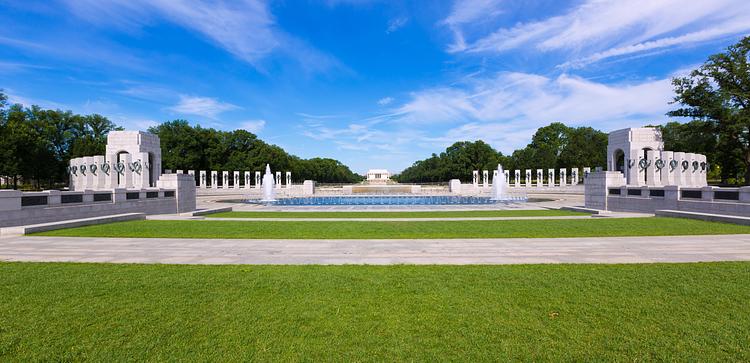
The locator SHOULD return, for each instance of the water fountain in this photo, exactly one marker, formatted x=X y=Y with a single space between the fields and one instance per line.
x=268 y=186
x=499 y=189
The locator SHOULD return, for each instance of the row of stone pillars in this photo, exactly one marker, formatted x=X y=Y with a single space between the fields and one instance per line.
x=204 y=182
x=562 y=179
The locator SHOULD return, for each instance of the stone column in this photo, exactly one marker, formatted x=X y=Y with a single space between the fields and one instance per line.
x=649 y=172
x=485 y=178
x=507 y=177
x=517 y=179
x=202 y=179
x=494 y=176
x=100 y=177
x=278 y=180
x=454 y=185
x=192 y=173
x=214 y=179
x=257 y=180
x=539 y=178
x=247 y=180
x=110 y=173
x=180 y=171
x=666 y=171
x=528 y=178
x=695 y=170
x=679 y=170
x=236 y=181
x=631 y=168
x=475 y=178
x=141 y=177
x=225 y=179
x=308 y=187
x=126 y=180
x=288 y=179
x=690 y=172
x=90 y=177
x=586 y=172
x=574 y=176
x=563 y=177
x=551 y=177
x=703 y=170
x=75 y=183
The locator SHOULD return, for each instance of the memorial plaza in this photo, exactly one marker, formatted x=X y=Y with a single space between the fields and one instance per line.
x=374 y=181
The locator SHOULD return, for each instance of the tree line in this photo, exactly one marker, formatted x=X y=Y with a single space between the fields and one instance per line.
x=193 y=147
x=552 y=147
x=715 y=97
x=36 y=144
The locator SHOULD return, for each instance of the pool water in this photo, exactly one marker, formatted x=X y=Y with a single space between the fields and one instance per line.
x=391 y=200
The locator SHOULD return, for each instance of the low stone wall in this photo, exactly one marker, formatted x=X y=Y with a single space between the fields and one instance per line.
x=298 y=190
x=174 y=195
x=605 y=191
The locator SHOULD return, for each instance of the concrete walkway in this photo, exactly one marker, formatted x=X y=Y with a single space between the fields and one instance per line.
x=441 y=251
x=170 y=217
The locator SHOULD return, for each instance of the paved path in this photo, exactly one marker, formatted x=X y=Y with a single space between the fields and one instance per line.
x=170 y=217
x=443 y=251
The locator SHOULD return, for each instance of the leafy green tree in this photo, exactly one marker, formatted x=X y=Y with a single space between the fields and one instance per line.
x=457 y=162
x=584 y=146
x=548 y=143
x=718 y=92
x=36 y=144
x=188 y=147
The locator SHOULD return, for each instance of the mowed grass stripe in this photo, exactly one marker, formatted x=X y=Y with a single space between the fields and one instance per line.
x=396 y=214
x=110 y=312
x=595 y=227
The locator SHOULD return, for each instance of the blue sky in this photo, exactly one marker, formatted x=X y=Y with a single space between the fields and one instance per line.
x=375 y=84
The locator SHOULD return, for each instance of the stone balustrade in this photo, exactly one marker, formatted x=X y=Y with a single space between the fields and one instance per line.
x=174 y=194
x=608 y=190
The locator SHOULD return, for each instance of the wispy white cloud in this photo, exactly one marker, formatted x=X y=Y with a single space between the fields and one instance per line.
x=596 y=29
x=467 y=12
x=385 y=101
x=18 y=98
x=201 y=106
x=504 y=110
x=507 y=108
x=246 y=28
x=317 y=117
x=254 y=126
x=396 y=24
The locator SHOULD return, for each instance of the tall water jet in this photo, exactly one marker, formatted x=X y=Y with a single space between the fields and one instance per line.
x=499 y=187
x=267 y=184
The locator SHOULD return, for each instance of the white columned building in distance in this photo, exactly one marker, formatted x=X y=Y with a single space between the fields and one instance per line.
x=376 y=176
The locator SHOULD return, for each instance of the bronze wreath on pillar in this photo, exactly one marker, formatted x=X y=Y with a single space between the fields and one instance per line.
x=659 y=164
x=120 y=168
x=644 y=164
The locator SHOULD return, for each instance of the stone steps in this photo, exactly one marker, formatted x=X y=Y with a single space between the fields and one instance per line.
x=42 y=227
x=705 y=216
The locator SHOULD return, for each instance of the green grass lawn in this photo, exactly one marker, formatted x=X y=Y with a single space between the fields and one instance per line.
x=111 y=312
x=406 y=214
x=406 y=229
